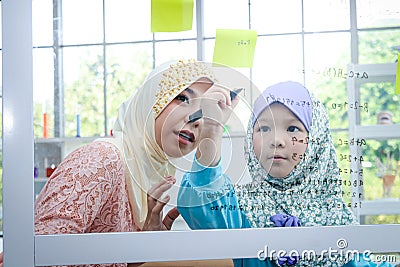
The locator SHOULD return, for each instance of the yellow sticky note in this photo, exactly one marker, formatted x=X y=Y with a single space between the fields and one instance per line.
x=171 y=15
x=398 y=75
x=235 y=48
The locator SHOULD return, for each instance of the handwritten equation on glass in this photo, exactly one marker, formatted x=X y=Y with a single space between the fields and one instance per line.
x=333 y=72
x=346 y=185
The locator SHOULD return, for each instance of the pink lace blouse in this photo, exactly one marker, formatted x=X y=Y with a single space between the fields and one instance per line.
x=86 y=194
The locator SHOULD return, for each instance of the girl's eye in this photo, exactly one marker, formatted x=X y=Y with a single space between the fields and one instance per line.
x=293 y=129
x=265 y=129
x=182 y=98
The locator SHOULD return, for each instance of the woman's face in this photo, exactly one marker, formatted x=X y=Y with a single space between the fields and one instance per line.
x=279 y=139
x=173 y=133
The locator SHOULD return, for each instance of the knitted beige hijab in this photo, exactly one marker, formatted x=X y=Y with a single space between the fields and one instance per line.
x=134 y=135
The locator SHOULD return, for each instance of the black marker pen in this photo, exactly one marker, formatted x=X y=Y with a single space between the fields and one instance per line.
x=196 y=116
x=235 y=92
x=199 y=114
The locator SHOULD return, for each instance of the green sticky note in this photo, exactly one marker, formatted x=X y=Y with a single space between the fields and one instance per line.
x=171 y=15
x=398 y=75
x=235 y=48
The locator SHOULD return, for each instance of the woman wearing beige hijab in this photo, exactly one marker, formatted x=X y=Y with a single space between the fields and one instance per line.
x=117 y=184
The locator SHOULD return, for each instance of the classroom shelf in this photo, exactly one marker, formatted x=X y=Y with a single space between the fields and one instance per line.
x=372 y=73
x=378 y=132
x=52 y=151
x=381 y=206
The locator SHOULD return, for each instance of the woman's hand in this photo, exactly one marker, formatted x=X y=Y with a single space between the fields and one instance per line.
x=217 y=105
x=155 y=205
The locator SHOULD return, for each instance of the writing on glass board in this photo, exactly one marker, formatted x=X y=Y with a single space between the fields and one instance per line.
x=261 y=206
x=243 y=42
x=337 y=73
x=290 y=102
x=352 y=142
x=350 y=158
x=348 y=170
x=346 y=105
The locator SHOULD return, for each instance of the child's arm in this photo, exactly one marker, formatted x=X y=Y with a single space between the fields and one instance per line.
x=217 y=106
x=207 y=200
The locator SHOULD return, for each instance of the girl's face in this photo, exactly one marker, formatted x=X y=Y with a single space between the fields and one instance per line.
x=279 y=139
x=173 y=133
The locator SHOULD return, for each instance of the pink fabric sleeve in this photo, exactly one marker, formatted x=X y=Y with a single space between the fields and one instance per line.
x=86 y=194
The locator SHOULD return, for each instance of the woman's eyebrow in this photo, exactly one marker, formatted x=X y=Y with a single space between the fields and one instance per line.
x=190 y=91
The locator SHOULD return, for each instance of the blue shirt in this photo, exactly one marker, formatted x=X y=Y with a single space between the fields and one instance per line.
x=207 y=200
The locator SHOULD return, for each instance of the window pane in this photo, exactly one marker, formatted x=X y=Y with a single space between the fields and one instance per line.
x=379 y=97
x=42 y=22
x=381 y=158
x=235 y=15
x=277 y=58
x=84 y=90
x=376 y=46
x=127 y=20
x=43 y=90
x=82 y=21
x=174 y=50
x=209 y=45
x=378 y=13
x=240 y=78
x=324 y=51
x=127 y=67
x=326 y=58
x=276 y=16
x=326 y=15
x=237 y=123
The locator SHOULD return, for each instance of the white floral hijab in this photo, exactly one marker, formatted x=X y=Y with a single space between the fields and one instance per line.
x=134 y=134
x=312 y=191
